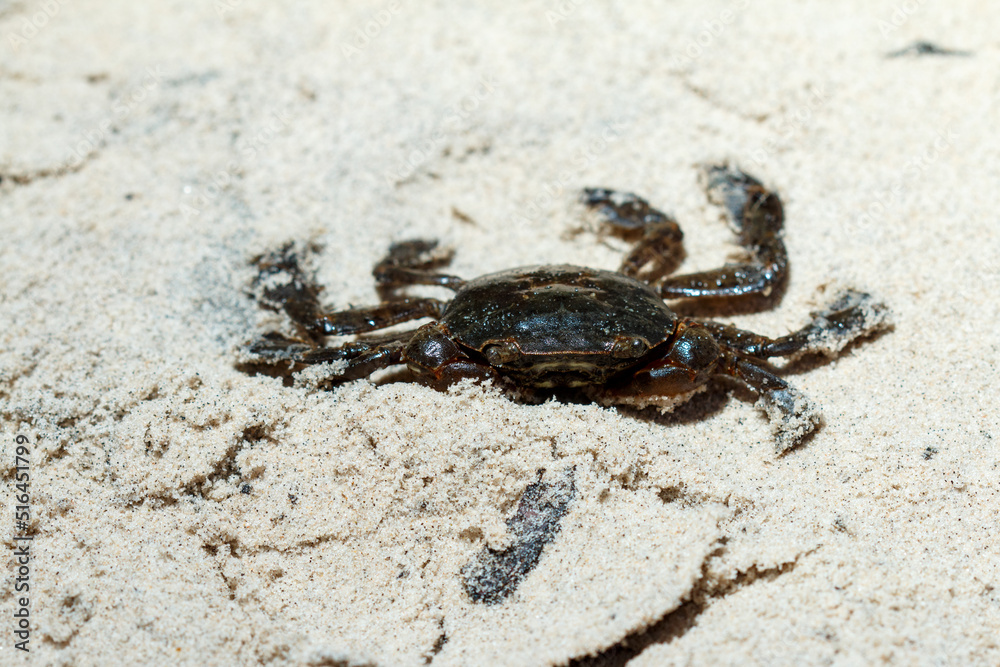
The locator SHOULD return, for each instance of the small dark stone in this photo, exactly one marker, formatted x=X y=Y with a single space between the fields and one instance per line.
x=493 y=576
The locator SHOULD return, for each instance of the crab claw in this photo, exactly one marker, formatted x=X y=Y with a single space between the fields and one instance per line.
x=793 y=416
x=851 y=315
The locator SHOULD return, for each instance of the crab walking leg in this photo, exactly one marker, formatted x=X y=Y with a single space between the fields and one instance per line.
x=661 y=247
x=362 y=357
x=365 y=364
x=392 y=278
x=359 y=320
x=792 y=415
x=439 y=362
x=284 y=286
x=757 y=215
x=412 y=263
x=849 y=316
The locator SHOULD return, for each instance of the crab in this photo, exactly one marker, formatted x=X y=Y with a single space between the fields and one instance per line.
x=609 y=334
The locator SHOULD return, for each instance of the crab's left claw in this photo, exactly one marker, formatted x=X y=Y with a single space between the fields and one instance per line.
x=851 y=315
x=792 y=415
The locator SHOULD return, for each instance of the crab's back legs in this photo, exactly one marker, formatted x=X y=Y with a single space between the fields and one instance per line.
x=407 y=263
x=661 y=246
x=757 y=216
x=362 y=357
x=437 y=360
x=360 y=320
x=413 y=263
x=283 y=285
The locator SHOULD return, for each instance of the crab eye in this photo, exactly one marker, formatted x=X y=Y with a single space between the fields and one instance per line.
x=628 y=347
x=501 y=353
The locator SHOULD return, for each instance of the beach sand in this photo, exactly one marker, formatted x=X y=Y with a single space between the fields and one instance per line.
x=186 y=511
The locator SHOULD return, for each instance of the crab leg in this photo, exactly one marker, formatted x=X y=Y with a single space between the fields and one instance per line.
x=282 y=285
x=407 y=263
x=757 y=216
x=792 y=415
x=411 y=263
x=359 y=320
x=849 y=316
x=363 y=357
x=661 y=246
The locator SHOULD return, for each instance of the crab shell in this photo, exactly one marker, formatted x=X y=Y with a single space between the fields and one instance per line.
x=559 y=325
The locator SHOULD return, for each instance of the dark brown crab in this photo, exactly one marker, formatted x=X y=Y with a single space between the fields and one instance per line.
x=570 y=326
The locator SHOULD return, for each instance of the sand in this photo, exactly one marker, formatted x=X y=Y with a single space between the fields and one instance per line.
x=185 y=511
